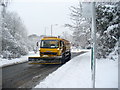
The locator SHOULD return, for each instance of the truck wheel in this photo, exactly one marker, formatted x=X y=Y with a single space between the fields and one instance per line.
x=69 y=57
x=63 y=59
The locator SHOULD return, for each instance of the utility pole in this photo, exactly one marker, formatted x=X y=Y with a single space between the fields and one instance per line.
x=94 y=43
x=4 y=4
x=45 y=31
x=51 y=30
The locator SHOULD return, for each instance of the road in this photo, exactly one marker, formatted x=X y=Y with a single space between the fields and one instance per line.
x=25 y=75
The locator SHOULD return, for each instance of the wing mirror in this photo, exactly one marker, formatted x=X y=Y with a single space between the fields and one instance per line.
x=37 y=44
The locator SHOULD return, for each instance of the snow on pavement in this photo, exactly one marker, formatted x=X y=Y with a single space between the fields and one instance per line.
x=77 y=74
x=74 y=74
x=79 y=50
x=6 y=62
x=107 y=73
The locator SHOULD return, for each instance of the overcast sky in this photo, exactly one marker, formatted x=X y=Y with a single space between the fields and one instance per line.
x=38 y=14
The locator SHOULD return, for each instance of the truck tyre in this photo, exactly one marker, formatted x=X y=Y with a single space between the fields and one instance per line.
x=63 y=59
x=69 y=57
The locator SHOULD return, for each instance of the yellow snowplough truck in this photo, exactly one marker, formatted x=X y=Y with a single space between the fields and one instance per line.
x=53 y=50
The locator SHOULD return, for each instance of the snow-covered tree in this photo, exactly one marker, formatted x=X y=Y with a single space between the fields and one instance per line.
x=66 y=35
x=80 y=27
x=0 y=29
x=108 y=28
x=32 y=41
x=14 y=36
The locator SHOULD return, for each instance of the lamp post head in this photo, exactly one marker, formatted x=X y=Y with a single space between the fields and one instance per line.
x=3 y=4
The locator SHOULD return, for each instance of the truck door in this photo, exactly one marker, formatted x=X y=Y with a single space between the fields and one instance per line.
x=62 y=46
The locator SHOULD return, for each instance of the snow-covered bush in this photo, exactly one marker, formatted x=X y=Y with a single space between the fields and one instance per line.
x=108 y=29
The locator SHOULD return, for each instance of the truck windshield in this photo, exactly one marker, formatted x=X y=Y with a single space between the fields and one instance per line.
x=49 y=44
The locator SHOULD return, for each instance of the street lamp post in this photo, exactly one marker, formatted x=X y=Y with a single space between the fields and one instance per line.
x=45 y=31
x=52 y=28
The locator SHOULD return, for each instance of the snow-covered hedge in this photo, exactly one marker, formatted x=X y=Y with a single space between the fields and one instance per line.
x=108 y=29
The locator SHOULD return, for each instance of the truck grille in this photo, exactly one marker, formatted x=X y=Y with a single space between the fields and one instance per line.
x=49 y=53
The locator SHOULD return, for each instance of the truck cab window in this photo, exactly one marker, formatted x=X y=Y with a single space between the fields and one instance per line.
x=61 y=44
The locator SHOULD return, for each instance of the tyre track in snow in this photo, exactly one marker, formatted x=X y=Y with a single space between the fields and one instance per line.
x=25 y=75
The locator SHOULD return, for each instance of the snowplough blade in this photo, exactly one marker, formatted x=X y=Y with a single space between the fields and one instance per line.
x=44 y=60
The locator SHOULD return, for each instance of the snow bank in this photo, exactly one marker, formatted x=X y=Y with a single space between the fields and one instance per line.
x=107 y=74
x=107 y=71
x=74 y=74
x=77 y=74
x=79 y=50
x=6 y=62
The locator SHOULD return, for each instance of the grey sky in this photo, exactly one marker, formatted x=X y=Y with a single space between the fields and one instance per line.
x=38 y=15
